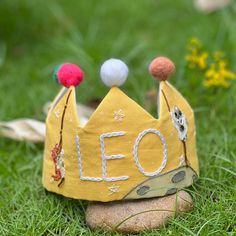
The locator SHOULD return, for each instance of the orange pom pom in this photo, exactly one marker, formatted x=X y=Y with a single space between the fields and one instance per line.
x=161 y=68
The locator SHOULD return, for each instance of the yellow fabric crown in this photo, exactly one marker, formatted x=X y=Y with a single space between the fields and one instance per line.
x=122 y=152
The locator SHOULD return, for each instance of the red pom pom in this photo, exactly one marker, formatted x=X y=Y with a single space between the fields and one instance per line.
x=69 y=75
x=161 y=68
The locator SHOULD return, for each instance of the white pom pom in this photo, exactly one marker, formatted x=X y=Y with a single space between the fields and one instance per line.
x=114 y=72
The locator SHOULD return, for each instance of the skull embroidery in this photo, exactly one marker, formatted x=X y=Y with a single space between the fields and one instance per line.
x=180 y=123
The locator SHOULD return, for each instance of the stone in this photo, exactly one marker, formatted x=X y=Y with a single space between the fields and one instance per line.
x=133 y=216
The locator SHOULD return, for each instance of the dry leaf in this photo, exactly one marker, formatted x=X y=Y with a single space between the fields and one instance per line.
x=23 y=129
x=33 y=130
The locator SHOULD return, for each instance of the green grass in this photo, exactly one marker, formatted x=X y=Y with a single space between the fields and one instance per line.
x=35 y=36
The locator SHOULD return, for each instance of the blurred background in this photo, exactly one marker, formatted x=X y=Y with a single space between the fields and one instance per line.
x=35 y=36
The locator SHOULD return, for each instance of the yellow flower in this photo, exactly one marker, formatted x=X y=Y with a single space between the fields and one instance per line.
x=202 y=60
x=218 y=75
x=225 y=72
x=195 y=58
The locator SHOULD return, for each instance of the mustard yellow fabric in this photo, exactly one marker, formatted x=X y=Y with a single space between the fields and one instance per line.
x=133 y=120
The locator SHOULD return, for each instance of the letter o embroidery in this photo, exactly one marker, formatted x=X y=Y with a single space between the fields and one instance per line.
x=163 y=164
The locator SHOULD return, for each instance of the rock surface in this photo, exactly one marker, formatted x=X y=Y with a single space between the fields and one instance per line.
x=137 y=215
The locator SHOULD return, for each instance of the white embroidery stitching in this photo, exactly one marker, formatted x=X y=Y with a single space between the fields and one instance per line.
x=140 y=136
x=112 y=157
x=60 y=164
x=80 y=165
x=57 y=114
x=113 y=189
x=104 y=158
x=182 y=161
x=119 y=115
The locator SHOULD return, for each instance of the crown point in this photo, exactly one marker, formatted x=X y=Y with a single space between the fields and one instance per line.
x=114 y=72
x=68 y=74
x=161 y=68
